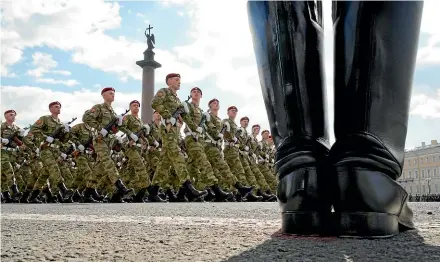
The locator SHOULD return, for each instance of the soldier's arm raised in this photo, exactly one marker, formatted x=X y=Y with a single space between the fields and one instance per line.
x=91 y=116
x=157 y=104
x=125 y=127
x=210 y=127
x=187 y=117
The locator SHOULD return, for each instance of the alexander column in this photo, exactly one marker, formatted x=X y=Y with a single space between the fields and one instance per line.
x=148 y=66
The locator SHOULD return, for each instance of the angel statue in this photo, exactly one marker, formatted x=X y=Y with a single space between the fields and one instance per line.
x=150 y=38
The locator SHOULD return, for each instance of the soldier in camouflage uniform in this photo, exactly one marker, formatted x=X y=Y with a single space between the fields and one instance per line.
x=136 y=132
x=264 y=157
x=153 y=153
x=198 y=162
x=231 y=151
x=85 y=180
x=9 y=149
x=213 y=149
x=40 y=134
x=98 y=117
x=255 y=153
x=166 y=103
x=253 y=175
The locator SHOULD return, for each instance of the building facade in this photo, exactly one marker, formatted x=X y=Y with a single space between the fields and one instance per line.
x=421 y=170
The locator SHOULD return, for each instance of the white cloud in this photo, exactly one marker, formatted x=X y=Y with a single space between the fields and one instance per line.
x=70 y=82
x=61 y=72
x=180 y=13
x=140 y=15
x=426 y=106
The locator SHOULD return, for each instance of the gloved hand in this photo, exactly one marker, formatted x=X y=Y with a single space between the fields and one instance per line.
x=254 y=156
x=81 y=148
x=120 y=119
x=64 y=156
x=49 y=139
x=173 y=121
x=5 y=141
x=103 y=132
x=156 y=144
x=66 y=127
x=246 y=148
x=235 y=139
x=199 y=130
x=134 y=137
x=220 y=135
x=37 y=151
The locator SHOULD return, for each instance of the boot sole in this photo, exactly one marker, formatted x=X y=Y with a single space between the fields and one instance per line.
x=370 y=225
x=304 y=223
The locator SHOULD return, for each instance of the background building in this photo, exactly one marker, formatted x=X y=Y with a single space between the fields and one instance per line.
x=421 y=170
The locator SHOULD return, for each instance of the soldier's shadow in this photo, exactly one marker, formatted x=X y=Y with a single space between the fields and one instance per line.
x=408 y=246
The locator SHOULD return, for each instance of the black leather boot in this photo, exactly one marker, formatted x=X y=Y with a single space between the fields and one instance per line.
x=375 y=53
x=66 y=194
x=220 y=195
x=243 y=190
x=154 y=197
x=33 y=199
x=7 y=197
x=288 y=43
x=171 y=195
x=50 y=197
x=251 y=197
x=121 y=187
x=139 y=197
x=88 y=196
x=24 y=198
x=16 y=194
x=77 y=196
x=181 y=195
x=191 y=191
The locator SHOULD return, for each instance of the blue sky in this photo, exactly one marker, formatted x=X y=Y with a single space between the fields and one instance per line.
x=68 y=50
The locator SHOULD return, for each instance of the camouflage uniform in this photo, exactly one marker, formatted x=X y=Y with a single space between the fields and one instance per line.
x=264 y=164
x=166 y=103
x=153 y=153
x=255 y=155
x=198 y=163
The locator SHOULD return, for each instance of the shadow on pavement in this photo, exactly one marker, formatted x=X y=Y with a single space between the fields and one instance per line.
x=408 y=246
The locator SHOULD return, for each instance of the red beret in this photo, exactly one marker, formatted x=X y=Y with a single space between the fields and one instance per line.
x=265 y=131
x=232 y=107
x=171 y=75
x=10 y=111
x=55 y=103
x=244 y=118
x=196 y=88
x=135 y=102
x=105 y=89
x=212 y=101
x=257 y=125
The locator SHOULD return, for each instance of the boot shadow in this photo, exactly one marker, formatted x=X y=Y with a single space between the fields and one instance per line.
x=407 y=246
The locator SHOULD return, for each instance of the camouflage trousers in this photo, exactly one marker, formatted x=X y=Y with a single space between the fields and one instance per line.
x=261 y=180
x=224 y=174
x=139 y=177
x=105 y=168
x=37 y=169
x=153 y=158
x=7 y=170
x=252 y=181
x=24 y=172
x=198 y=163
x=65 y=168
x=233 y=160
x=84 y=176
x=49 y=158
x=170 y=157
x=269 y=175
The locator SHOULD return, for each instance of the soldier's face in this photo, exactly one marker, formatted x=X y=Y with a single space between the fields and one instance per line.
x=109 y=96
x=10 y=117
x=134 y=108
x=244 y=123
x=174 y=82
x=55 y=109
x=265 y=135
x=195 y=94
x=214 y=106
x=232 y=113
x=256 y=130
x=156 y=116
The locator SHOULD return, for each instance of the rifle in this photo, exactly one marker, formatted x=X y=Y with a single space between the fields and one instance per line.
x=57 y=132
x=111 y=125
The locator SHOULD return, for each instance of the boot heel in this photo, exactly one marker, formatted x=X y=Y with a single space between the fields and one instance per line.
x=367 y=225
x=301 y=223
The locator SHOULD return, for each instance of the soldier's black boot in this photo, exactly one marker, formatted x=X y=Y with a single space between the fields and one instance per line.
x=24 y=198
x=263 y=194
x=16 y=194
x=97 y=196
x=7 y=197
x=33 y=199
x=139 y=197
x=88 y=196
x=181 y=195
x=154 y=197
x=66 y=194
x=191 y=191
x=121 y=187
x=288 y=43
x=77 y=197
x=50 y=197
x=220 y=195
x=251 y=197
x=171 y=196
x=375 y=53
x=243 y=190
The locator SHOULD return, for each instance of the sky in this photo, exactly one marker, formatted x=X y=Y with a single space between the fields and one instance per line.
x=68 y=51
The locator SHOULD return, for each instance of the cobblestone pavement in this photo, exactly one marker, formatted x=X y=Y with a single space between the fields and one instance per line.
x=193 y=232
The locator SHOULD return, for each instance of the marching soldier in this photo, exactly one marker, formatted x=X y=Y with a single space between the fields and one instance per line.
x=133 y=127
x=167 y=104
x=256 y=148
x=11 y=136
x=98 y=117
x=41 y=134
x=231 y=151
x=213 y=149
x=198 y=162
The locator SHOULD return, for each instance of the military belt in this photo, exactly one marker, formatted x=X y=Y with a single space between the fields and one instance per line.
x=232 y=144
x=216 y=143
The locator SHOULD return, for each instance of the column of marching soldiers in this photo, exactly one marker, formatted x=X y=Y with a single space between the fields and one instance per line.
x=216 y=160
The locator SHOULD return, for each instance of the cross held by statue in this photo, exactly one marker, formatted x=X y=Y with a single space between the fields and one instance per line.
x=149 y=28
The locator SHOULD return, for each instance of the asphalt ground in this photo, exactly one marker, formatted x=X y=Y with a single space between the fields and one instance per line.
x=193 y=232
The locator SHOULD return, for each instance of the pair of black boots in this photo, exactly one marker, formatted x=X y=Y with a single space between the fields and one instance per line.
x=375 y=52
